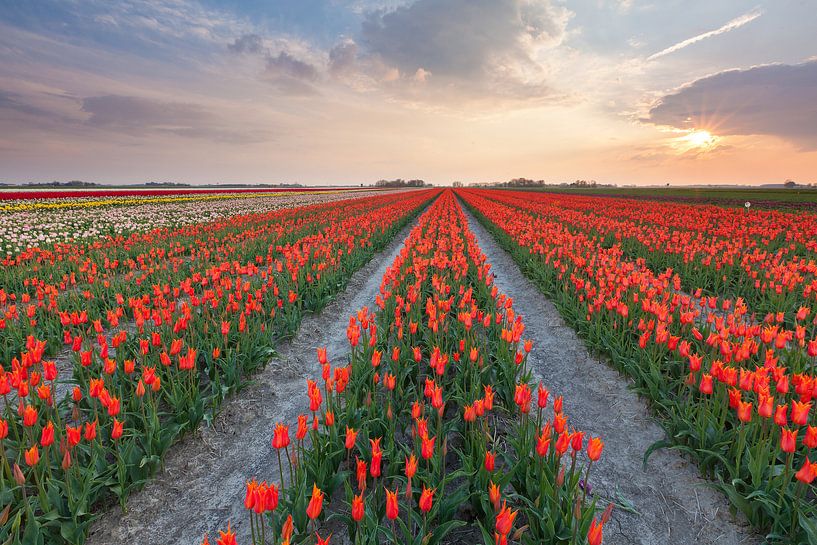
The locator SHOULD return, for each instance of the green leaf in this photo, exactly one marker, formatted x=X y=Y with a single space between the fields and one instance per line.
x=663 y=443
x=443 y=529
x=810 y=526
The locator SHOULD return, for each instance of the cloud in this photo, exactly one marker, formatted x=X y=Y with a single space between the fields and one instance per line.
x=488 y=47
x=138 y=116
x=343 y=58
x=290 y=74
x=774 y=99
x=14 y=102
x=286 y=65
x=731 y=25
x=248 y=43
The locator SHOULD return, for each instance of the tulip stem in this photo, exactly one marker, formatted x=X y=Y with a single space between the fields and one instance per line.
x=280 y=466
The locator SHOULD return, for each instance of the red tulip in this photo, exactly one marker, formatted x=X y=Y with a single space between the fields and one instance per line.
x=594 y=534
x=426 y=499
x=358 y=508
x=807 y=473
x=788 y=440
x=392 y=507
x=594 y=448
x=32 y=456
x=490 y=461
x=504 y=520
x=313 y=510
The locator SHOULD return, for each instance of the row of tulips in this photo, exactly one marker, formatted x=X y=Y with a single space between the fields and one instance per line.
x=733 y=393
x=769 y=258
x=164 y=361
x=431 y=428
x=42 y=223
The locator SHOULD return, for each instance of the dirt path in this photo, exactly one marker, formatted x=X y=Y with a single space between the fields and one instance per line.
x=202 y=486
x=673 y=503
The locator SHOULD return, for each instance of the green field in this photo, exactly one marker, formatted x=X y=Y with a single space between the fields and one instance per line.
x=799 y=198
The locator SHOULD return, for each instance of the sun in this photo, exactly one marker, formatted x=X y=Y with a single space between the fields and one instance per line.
x=699 y=138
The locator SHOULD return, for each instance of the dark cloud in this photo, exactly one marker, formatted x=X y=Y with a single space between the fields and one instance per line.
x=138 y=116
x=470 y=42
x=343 y=58
x=291 y=75
x=776 y=99
x=248 y=43
x=285 y=65
x=12 y=102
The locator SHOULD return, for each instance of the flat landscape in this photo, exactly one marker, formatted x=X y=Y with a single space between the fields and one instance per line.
x=408 y=272
x=424 y=366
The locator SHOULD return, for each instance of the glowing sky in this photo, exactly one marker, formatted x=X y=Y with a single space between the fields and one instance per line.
x=350 y=91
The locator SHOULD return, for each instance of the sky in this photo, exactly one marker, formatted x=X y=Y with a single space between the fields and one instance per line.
x=352 y=91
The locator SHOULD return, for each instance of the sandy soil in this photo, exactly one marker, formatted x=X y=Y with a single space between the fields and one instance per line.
x=202 y=486
x=672 y=503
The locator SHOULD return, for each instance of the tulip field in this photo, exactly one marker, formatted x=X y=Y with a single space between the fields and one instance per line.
x=709 y=310
x=113 y=348
x=128 y=321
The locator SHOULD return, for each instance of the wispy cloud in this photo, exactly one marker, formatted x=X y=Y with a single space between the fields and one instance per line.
x=731 y=25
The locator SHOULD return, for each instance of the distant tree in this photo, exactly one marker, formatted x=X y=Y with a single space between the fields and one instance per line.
x=399 y=182
x=790 y=184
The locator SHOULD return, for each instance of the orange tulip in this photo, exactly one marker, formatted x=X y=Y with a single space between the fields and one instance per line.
x=427 y=449
x=788 y=440
x=226 y=538
x=799 y=412
x=377 y=457
x=594 y=448
x=490 y=461
x=47 y=435
x=392 y=507
x=313 y=510
x=361 y=474
x=32 y=456
x=351 y=437
x=426 y=499
x=286 y=529
x=504 y=520
x=744 y=411
x=594 y=534
x=358 y=508
x=494 y=495
x=807 y=473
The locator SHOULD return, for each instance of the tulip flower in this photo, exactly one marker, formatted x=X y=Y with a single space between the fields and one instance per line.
x=490 y=461
x=377 y=457
x=595 y=533
x=807 y=473
x=426 y=499
x=392 y=507
x=788 y=440
x=358 y=508
x=32 y=456
x=427 y=449
x=494 y=495
x=280 y=436
x=313 y=510
x=504 y=520
x=351 y=437
x=361 y=471
x=594 y=448
x=226 y=538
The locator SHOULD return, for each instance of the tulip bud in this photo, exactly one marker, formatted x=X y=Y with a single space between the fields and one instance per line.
x=19 y=478
x=66 y=460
